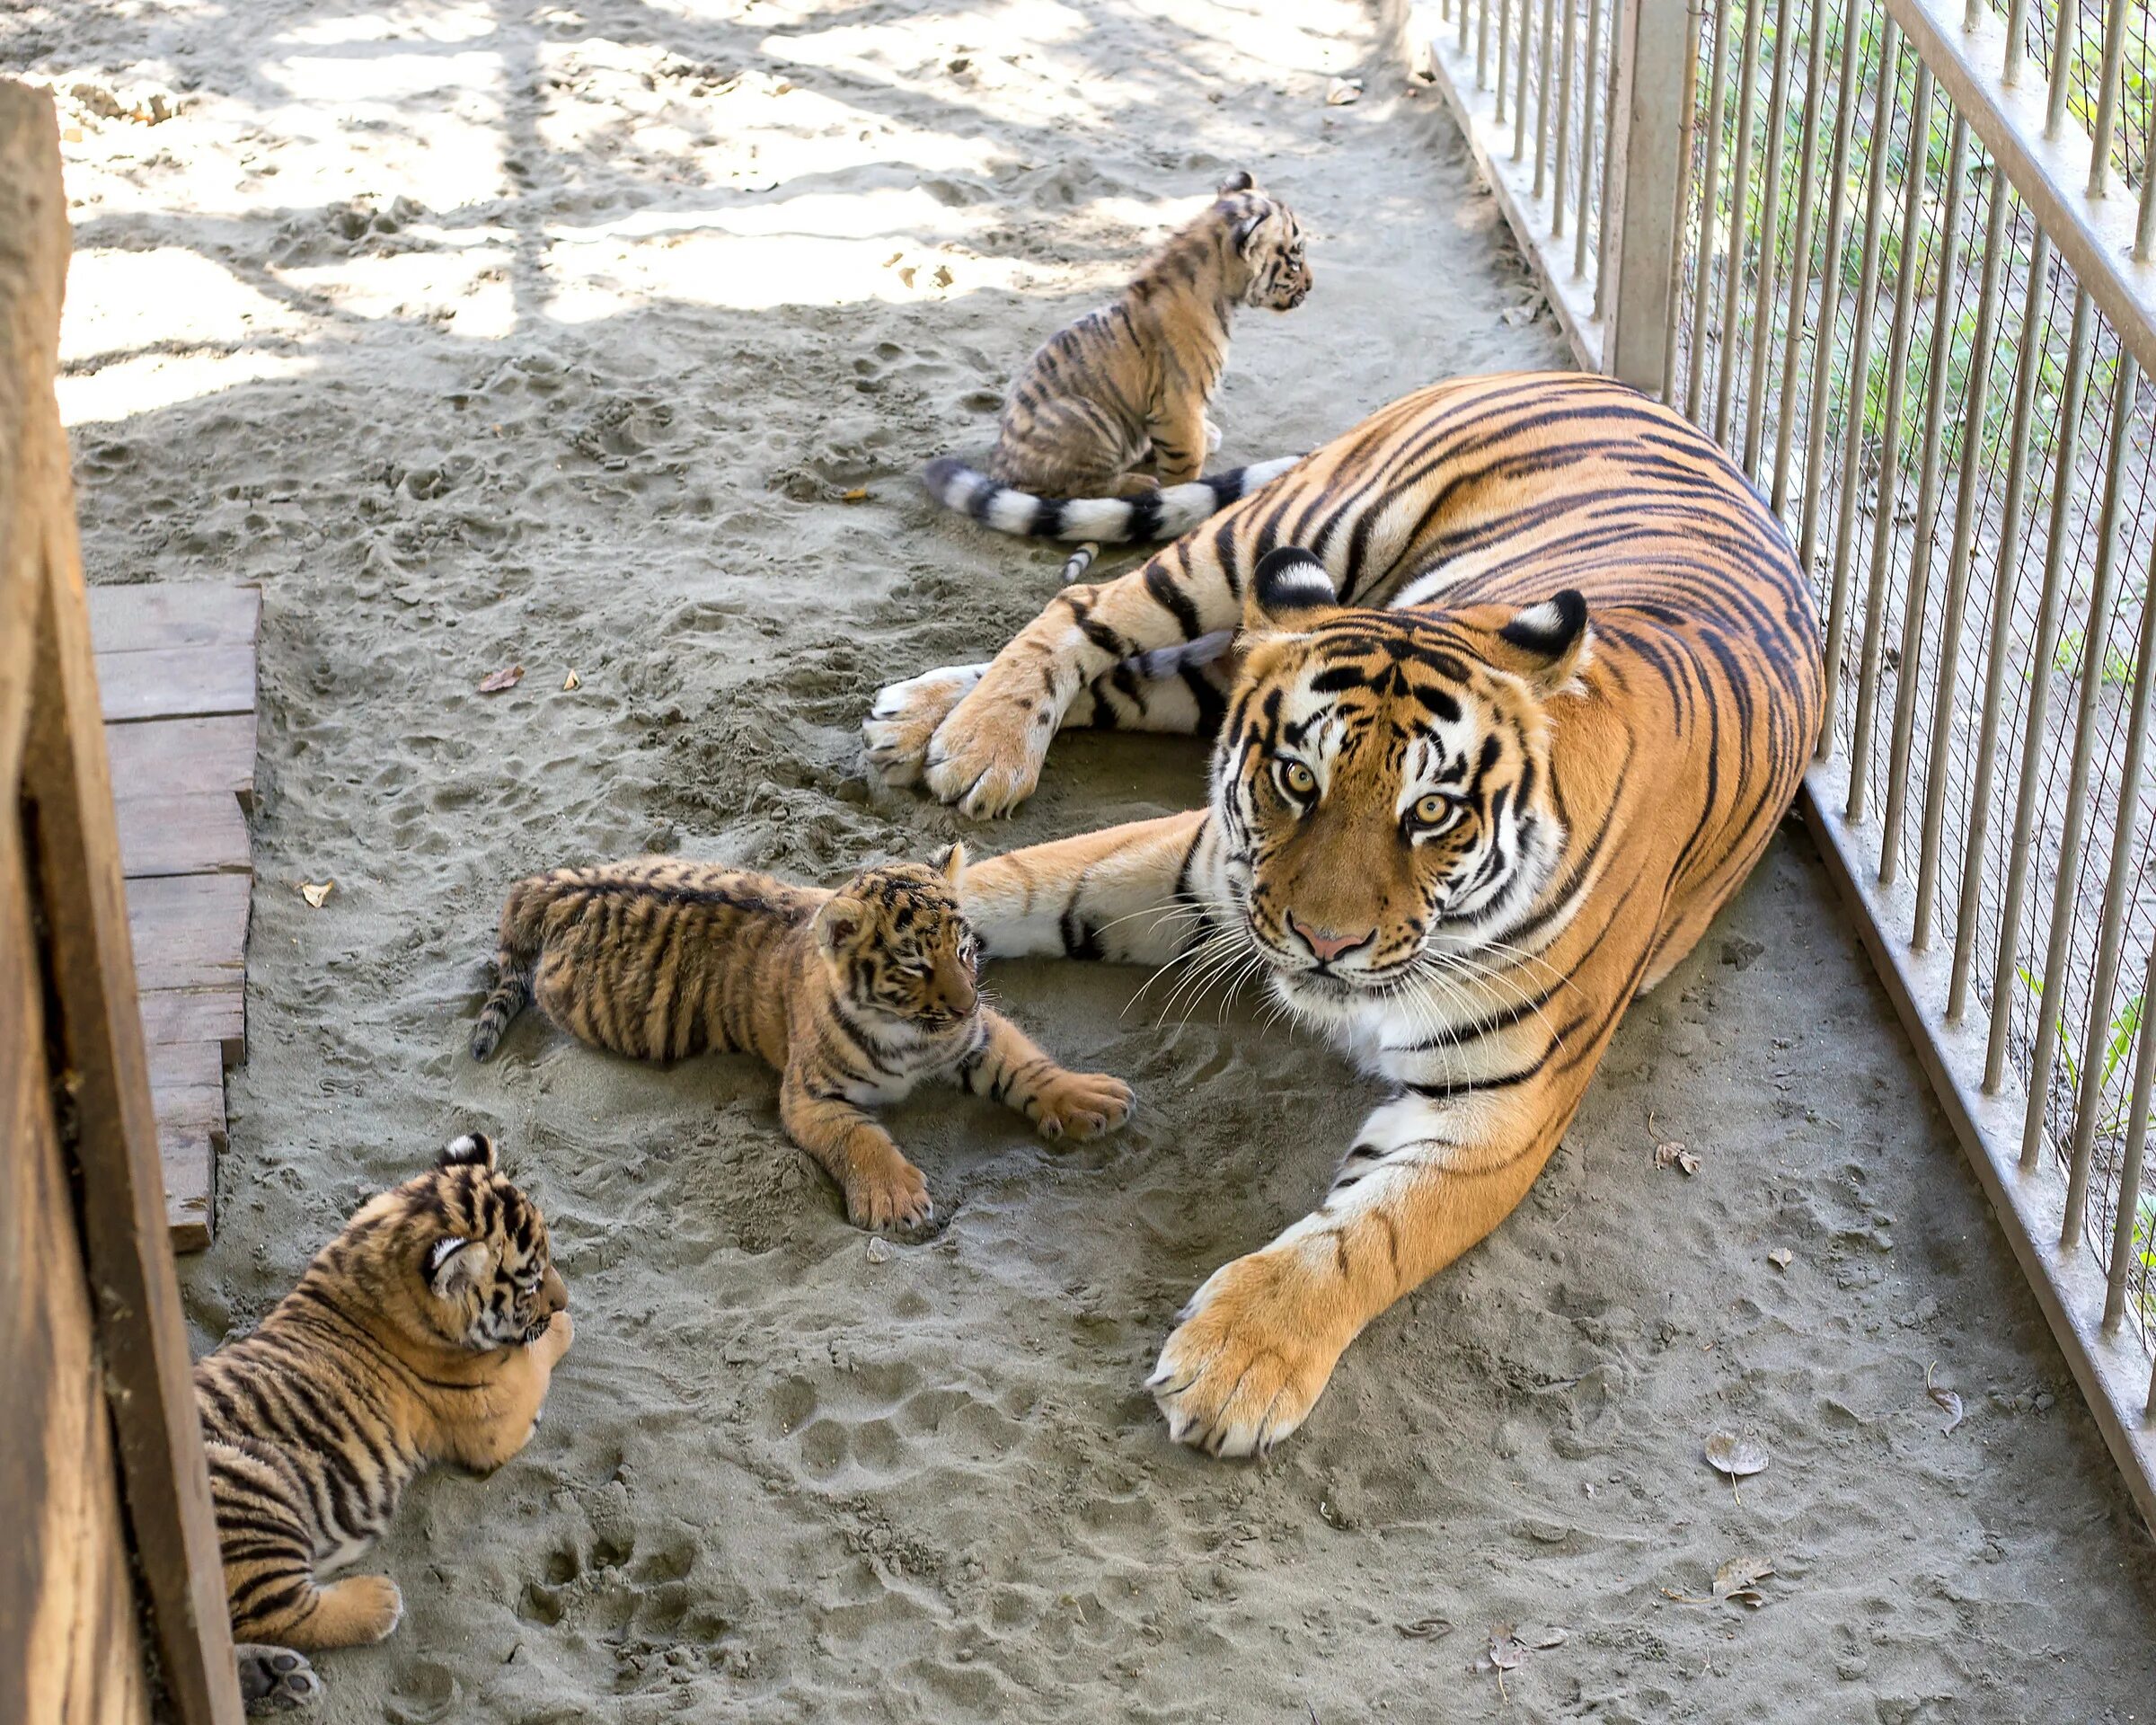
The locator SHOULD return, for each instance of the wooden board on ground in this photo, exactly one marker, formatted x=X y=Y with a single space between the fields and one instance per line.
x=177 y=682
x=173 y=613
x=184 y=758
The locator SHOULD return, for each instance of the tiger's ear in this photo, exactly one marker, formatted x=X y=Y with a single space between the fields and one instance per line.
x=1246 y=230
x=1242 y=180
x=455 y=1265
x=1547 y=644
x=1289 y=592
x=953 y=864
x=837 y=921
x=474 y=1150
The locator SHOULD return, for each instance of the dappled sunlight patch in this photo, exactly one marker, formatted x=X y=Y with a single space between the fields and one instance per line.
x=149 y=382
x=121 y=301
x=467 y=291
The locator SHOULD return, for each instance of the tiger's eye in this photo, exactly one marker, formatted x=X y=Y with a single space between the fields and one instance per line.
x=1433 y=809
x=1298 y=778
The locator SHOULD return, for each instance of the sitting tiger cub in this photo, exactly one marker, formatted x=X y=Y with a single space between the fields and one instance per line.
x=1127 y=388
x=426 y=1332
x=854 y=995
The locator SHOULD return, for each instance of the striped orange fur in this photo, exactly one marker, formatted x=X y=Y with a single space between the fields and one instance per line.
x=854 y=997
x=1511 y=686
x=1115 y=406
x=426 y=1333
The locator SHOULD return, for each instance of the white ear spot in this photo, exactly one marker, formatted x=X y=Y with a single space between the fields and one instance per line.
x=456 y=1264
x=442 y=1249
x=1544 y=619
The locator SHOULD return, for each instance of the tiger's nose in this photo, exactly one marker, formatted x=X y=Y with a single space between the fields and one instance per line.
x=1325 y=943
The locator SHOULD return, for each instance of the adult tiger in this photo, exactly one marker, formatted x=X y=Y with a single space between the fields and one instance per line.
x=1462 y=831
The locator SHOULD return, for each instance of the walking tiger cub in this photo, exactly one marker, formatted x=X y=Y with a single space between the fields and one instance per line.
x=1126 y=388
x=426 y=1331
x=854 y=995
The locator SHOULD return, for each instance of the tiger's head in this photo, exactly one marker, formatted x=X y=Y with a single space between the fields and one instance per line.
x=899 y=947
x=1267 y=242
x=458 y=1256
x=1384 y=781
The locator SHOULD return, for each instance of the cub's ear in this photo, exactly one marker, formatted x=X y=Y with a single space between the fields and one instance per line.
x=1242 y=180
x=953 y=864
x=455 y=1265
x=1246 y=230
x=1547 y=644
x=1289 y=592
x=474 y=1150
x=838 y=921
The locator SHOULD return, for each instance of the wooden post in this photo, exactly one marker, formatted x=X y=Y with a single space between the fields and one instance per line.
x=1654 y=46
x=88 y=1298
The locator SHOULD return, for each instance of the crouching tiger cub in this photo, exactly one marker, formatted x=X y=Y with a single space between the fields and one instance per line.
x=1526 y=676
x=1114 y=406
x=854 y=995
x=426 y=1332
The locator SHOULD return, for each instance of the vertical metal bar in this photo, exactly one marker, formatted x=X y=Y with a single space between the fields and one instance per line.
x=1503 y=43
x=1800 y=260
x=1754 y=26
x=2144 y=226
x=1973 y=15
x=1589 y=88
x=1560 y=174
x=1710 y=179
x=2067 y=889
x=1849 y=83
x=1769 y=247
x=2064 y=20
x=2106 y=98
x=1543 y=58
x=1641 y=211
x=1916 y=600
x=1977 y=409
x=2005 y=574
x=2131 y=1162
x=1890 y=453
x=1463 y=29
x=1858 y=385
x=1482 y=43
x=1526 y=59
x=1615 y=154
x=1674 y=313
x=2016 y=36
x=2034 y=742
x=2089 y=1103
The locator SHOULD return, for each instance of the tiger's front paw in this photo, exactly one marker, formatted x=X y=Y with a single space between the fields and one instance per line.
x=986 y=755
x=904 y=716
x=1247 y=1361
x=275 y=1679
x=1081 y=1105
x=1212 y=438
x=894 y=1195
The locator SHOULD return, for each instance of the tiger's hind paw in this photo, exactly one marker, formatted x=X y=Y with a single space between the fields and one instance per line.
x=906 y=715
x=275 y=1679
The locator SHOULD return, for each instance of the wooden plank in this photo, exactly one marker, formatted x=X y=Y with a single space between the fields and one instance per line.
x=189 y=931
x=181 y=757
x=218 y=1015
x=203 y=834
x=174 y=614
x=177 y=682
x=72 y=867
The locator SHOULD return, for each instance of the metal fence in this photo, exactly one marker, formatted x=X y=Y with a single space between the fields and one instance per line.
x=1894 y=256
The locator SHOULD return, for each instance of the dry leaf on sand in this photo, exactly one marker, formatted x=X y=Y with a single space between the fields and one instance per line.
x=1779 y=1257
x=315 y=894
x=1672 y=1153
x=572 y=681
x=495 y=681
x=1948 y=1401
x=1426 y=1629
x=1738 y=1457
x=1341 y=92
x=858 y=494
x=1734 y=1580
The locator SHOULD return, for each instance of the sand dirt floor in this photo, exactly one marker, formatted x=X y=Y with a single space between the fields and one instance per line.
x=570 y=336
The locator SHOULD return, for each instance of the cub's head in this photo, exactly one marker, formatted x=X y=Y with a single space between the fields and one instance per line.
x=1266 y=240
x=899 y=946
x=1384 y=779
x=458 y=1255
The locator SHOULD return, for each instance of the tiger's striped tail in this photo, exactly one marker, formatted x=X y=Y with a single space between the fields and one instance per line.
x=1168 y=513
x=512 y=964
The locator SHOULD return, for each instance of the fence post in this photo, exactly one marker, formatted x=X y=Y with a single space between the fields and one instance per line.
x=1654 y=43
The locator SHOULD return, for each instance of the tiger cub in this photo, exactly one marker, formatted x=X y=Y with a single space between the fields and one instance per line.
x=426 y=1331
x=854 y=995
x=1126 y=388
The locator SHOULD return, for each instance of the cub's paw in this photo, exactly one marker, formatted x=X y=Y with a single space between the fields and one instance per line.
x=1082 y=1105
x=1248 y=1362
x=355 y=1611
x=1212 y=438
x=986 y=755
x=904 y=716
x=890 y=1198
x=275 y=1679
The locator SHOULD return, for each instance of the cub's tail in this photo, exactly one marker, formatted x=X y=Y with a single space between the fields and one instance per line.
x=513 y=963
x=1168 y=513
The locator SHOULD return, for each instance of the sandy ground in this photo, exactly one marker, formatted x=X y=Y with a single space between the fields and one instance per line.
x=482 y=335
